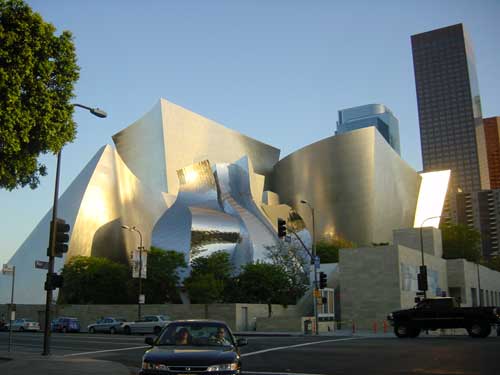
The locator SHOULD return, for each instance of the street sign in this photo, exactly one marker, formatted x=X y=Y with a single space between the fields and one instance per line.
x=41 y=265
x=316 y=262
x=317 y=293
x=142 y=299
x=7 y=269
x=13 y=315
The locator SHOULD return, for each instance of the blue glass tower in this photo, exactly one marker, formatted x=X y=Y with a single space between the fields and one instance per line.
x=377 y=115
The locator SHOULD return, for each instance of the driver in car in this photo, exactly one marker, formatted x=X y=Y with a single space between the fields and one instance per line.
x=220 y=337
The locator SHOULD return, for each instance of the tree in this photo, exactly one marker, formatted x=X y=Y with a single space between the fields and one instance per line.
x=94 y=280
x=204 y=288
x=265 y=283
x=38 y=71
x=328 y=248
x=460 y=241
x=295 y=263
x=162 y=281
x=209 y=278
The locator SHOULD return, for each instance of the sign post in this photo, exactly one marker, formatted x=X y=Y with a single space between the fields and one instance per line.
x=12 y=315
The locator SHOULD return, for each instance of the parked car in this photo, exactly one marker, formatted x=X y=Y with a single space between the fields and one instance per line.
x=107 y=325
x=193 y=346
x=436 y=313
x=148 y=324
x=22 y=325
x=65 y=324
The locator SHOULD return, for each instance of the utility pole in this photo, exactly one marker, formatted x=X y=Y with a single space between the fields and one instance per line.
x=5 y=270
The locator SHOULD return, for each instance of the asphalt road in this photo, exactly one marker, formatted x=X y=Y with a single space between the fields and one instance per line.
x=453 y=355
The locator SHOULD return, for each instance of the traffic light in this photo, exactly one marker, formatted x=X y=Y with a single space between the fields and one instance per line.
x=53 y=281
x=422 y=279
x=322 y=280
x=62 y=238
x=281 y=228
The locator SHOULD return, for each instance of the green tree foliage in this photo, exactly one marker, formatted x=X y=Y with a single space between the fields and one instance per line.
x=204 y=288
x=264 y=283
x=460 y=241
x=209 y=278
x=161 y=285
x=38 y=71
x=295 y=263
x=328 y=248
x=492 y=263
x=94 y=280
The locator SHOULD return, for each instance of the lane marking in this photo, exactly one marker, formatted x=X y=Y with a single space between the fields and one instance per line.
x=297 y=346
x=107 y=351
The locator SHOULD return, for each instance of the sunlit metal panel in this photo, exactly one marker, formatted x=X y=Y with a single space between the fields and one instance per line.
x=431 y=198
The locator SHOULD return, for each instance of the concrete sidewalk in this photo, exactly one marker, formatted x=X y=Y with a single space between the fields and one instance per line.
x=20 y=363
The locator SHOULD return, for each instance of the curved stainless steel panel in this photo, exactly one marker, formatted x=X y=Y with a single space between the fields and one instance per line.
x=170 y=137
x=104 y=196
x=359 y=186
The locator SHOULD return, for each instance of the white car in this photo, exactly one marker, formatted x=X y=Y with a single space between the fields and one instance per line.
x=148 y=324
x=22 y=325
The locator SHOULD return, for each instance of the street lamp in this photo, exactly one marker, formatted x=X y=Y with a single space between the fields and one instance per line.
x=423 y=268
x=141 y=249
x=52 y=242
x=315 y=304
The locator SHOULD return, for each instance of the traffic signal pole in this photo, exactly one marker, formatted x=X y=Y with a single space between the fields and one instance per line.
x=52 y=244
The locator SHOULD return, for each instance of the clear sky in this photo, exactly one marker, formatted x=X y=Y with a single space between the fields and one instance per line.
x=277 y=71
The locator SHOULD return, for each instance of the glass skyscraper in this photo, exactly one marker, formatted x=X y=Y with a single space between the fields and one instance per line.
x=449 y=107
x=377 y=115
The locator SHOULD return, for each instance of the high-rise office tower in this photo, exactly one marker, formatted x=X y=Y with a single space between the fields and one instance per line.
x=377 y=115
x=449 y=107
x=491 y=129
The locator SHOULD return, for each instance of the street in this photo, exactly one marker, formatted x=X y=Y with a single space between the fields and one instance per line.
x=451 y=355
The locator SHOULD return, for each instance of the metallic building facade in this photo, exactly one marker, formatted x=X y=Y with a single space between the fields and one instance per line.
x=191 y=185
x=359 y=185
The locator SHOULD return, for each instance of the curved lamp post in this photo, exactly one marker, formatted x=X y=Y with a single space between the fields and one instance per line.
x=422 y=249
x=313 y=260
x=141 y=249
x=52 y=242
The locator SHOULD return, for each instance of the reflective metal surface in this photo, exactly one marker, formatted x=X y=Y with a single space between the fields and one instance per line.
x=359 y=186
x=104 y=196
x=169 y=138
x=193 y=186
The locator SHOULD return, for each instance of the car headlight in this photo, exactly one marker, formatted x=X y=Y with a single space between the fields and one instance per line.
x=224 y=367
x=154 y=366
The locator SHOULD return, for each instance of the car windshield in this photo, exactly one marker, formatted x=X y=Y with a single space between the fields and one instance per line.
x=196 y=334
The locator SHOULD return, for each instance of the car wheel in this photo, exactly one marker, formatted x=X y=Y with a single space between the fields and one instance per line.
x=401 y=330
x=127 y=330
x=157 y=330
x=479 y=329
x=112 y=330
x=414 y=333
x=91 y=330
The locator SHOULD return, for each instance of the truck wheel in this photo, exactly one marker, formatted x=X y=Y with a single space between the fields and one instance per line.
x=414 y=332
x=401 y=330
x=479 y=329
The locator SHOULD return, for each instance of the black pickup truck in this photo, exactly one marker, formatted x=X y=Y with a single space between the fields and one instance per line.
x=436 y=313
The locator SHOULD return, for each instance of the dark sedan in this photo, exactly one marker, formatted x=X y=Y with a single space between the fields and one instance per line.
x=193 y=347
